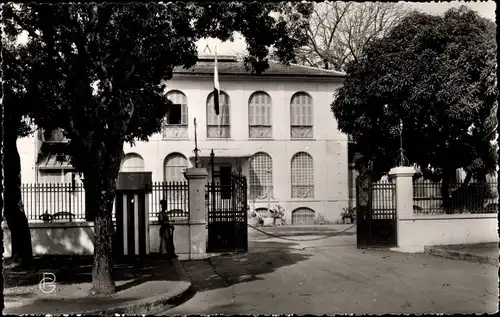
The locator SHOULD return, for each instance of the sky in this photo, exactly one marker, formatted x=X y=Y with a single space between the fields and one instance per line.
x=485 y=9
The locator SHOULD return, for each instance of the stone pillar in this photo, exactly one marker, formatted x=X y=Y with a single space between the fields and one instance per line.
x=403 y=176
x=197 y=180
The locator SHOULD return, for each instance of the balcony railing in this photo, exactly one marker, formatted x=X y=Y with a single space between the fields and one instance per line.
x=175 y=131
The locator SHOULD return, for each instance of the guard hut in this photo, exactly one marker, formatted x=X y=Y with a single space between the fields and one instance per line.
x=132 y=212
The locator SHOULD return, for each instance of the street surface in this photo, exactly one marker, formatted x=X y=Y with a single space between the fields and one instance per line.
x=332 y=276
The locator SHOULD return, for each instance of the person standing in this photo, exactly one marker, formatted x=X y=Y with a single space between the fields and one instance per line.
x=166 y=232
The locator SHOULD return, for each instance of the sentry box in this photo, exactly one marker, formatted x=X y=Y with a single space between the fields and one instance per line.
x=133 y=191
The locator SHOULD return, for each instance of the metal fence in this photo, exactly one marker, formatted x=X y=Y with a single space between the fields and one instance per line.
x=176 y=194
x=58 y=202
x=61 y=202
x=383 y=202
x=473 y=198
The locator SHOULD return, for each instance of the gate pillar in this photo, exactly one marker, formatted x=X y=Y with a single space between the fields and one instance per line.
x=403 y=176
x=197 y=181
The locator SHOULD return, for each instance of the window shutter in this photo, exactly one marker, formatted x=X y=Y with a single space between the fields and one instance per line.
x=299 y=114
x=184 y=114
x=257 y=114
x=251 y=111
x=174 y=165
x=302 y=114
x=262 y=114
x=210 y=110
x=309 y=114
x=226 y=115
x=269 y=110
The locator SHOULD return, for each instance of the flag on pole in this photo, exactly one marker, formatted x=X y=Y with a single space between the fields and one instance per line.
x=216 y=86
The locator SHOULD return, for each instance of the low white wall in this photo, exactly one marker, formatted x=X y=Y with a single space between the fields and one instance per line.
x=78 y=238
x=420 y=231
x=56 y=238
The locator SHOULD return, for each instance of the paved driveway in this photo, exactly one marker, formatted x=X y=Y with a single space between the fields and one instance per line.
x=331 y=276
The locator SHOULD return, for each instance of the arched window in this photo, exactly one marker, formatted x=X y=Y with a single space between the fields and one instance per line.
x=176 y=120
x=259 y=115
x=263 y=212
x=173 y=168
x=261 y=176
x=303 y=216
x=213 y=130
x=301 y=114
x=132 y=163
x=302 y=172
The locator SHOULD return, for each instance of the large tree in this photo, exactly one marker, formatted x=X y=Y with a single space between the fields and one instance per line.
x=338 y=31
x=16 y=125
x=99 y=74
x=437 y=75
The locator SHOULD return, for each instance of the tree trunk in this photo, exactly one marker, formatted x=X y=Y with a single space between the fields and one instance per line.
x=100 y=184
x=21 y=249
x=100 y=204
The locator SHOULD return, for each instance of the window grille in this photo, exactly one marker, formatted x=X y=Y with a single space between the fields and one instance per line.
x=302 y=172
x=303 y=216
x=301 y=113
x=261 y=176
x=132 y=163
x=213 y=130
x=264 y=212
x=259 y=115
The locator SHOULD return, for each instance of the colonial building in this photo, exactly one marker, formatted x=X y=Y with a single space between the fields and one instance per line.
x=277 y=129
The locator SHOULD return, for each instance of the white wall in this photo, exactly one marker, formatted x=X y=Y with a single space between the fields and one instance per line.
x=328 y=146
x=78 y=238
x=28 y=150
x=423 y=231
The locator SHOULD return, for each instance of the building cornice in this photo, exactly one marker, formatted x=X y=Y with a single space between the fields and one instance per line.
x=268 y=77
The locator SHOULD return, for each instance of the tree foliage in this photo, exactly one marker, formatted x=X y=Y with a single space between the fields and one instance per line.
x=16 y=125
x=98 y=73
x=437 y=75
x=338 y=31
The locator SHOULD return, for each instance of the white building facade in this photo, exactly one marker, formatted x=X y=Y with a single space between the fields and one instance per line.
x=277 y=129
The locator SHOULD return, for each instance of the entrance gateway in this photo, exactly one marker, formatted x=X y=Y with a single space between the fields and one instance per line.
x=376 y=221
x=227 y=213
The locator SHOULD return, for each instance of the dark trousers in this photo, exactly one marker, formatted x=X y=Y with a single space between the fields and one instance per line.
x=167 y=240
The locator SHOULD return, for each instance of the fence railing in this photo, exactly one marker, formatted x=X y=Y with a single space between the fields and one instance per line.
x=225 y=202
x=383 y=200
x=176 y=195
x=61 y=202
x=53 y=202
x=474 y=198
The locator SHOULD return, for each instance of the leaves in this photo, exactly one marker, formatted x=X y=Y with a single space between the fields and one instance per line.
x=98 y=71
x=437 y=74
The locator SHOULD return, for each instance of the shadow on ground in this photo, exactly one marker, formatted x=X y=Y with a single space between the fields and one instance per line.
x=224 y=271
x=78 y=269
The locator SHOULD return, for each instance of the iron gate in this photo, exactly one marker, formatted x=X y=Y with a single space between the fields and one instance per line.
x=375 y=213
x=227 y=216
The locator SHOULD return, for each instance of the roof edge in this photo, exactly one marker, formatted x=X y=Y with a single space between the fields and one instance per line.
x=263 y=77
x=337 y=73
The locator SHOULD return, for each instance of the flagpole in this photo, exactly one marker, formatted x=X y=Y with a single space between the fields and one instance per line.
x=220 y=107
